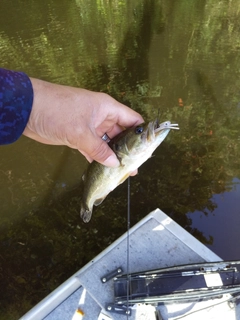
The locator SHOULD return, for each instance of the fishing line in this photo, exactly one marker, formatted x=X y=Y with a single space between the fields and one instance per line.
x=128 y=244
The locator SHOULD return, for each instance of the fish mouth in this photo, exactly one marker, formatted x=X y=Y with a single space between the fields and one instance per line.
x=154 y=128
x=164 y=125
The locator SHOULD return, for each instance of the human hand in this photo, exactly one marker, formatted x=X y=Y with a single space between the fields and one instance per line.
x=78 y=118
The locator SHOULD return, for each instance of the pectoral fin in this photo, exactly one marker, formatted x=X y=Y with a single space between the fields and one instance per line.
x=124 y=178
x=99 y=201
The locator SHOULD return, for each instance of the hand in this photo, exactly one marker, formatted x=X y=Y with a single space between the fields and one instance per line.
x=78 y=118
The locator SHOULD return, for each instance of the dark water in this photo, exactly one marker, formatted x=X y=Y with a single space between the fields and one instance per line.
x=179 y=56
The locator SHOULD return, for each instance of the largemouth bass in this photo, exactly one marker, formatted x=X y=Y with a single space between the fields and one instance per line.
x=133 y=147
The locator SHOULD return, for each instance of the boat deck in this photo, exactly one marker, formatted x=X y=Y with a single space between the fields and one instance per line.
x=155 y=242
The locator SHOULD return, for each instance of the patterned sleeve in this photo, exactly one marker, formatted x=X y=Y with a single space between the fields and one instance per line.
x=16 y=98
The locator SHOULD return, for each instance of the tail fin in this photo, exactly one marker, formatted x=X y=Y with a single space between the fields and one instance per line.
x=85 y=214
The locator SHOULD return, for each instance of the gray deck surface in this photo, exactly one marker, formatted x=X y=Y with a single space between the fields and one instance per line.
x=155 y=242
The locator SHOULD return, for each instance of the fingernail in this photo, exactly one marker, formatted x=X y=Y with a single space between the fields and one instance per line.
x=111 y=161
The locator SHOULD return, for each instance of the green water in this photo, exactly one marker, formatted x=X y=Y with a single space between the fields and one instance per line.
x=180 y=56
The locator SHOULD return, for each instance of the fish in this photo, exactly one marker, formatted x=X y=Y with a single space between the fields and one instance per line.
x=133 y=147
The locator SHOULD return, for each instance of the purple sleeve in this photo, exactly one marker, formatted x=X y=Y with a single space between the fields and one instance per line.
x=16 y=99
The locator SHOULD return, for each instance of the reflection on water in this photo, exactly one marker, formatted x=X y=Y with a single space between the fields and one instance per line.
x=223 y=224
x=181 y=57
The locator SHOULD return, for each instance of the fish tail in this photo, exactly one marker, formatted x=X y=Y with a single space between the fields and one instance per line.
x=85 y=214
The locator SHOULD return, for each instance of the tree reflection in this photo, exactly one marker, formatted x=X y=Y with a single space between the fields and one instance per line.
x=154 y=54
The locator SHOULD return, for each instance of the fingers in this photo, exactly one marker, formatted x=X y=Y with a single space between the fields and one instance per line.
x=112 y=131
x=108 y=163
x=89 y=159
x=122 y=115
x=99 y=151
x=128 y=117
x=134 y=173
x=111 y=161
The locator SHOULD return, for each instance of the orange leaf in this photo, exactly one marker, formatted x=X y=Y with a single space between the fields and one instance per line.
x=180 y=102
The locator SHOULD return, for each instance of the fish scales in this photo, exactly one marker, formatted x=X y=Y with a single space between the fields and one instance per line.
x=133 y=147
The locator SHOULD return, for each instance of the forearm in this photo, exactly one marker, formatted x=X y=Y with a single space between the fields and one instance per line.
x=16 y=98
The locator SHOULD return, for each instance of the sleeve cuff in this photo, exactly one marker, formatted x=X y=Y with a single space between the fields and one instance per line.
x=16 y=99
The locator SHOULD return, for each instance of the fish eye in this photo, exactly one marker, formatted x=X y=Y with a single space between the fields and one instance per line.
x=138 y=129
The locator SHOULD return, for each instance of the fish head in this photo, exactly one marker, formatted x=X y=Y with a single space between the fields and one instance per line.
x=141 y=138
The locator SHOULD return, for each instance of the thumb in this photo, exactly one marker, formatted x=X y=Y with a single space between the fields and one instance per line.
x=102 y=153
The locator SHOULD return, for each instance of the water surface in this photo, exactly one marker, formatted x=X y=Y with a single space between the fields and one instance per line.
x=179 y=56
